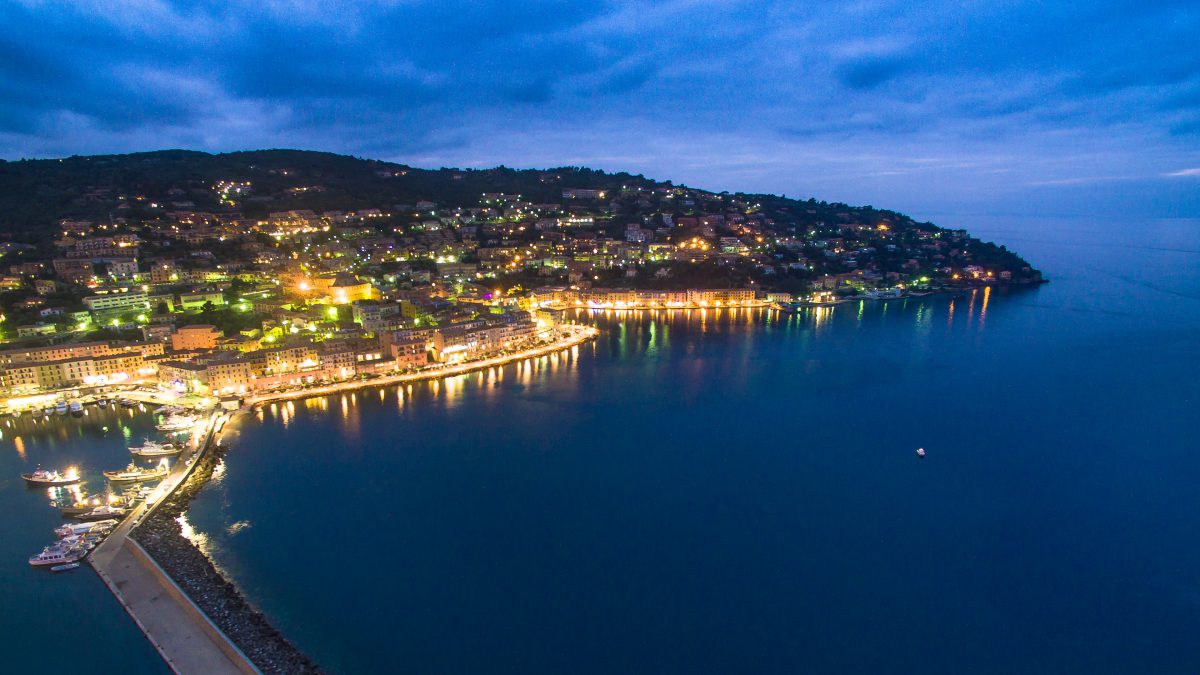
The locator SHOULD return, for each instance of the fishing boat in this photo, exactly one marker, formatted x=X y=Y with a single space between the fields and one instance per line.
x=65 y=568
x=82 y=505
x=75 y=407
x=104 y=512
x=155 y=449
x=42 y=478
x=177 y=423
x=74 y=529
x=57 y=554
x=136 y=474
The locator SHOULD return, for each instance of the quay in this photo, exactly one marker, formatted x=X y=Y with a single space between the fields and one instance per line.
x=187 y=640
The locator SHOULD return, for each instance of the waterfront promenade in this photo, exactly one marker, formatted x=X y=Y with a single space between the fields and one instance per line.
x=575 y=335
x=181 y=633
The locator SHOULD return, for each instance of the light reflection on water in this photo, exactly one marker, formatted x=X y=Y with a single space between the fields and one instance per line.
x=642 y=334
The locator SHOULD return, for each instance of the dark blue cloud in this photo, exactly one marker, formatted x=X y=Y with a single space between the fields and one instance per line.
x=932 y=106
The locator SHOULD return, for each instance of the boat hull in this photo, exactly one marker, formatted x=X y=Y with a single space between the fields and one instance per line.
x=41 y=482
x=134 y=479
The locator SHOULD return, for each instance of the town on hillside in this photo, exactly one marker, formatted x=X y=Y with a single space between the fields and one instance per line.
x=260 y=271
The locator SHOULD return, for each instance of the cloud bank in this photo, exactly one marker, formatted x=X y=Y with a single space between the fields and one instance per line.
x=936 y=107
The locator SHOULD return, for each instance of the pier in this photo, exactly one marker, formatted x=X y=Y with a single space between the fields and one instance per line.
x=187 y=640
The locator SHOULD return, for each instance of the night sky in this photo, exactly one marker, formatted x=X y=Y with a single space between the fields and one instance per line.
x=942 y=107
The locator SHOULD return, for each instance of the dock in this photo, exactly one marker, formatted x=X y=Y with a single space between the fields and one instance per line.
x=187 y=640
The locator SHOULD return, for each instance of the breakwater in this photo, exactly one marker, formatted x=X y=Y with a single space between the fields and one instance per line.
x=161 y=535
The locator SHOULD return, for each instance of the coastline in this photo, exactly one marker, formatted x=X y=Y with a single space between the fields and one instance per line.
x=160 y=535
x=578 y=335
x=224 y=612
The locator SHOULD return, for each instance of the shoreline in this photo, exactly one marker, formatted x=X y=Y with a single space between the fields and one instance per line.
x=158 y=536
x=220 y=601
x=579 y=335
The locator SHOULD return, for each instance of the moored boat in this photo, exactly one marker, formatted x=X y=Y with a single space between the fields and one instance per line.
x=75 y=407
x=103 y=403
x=135 y=474
x=74 y=529
x=155 y=449
x=105 y=512
x=83 y=505
x=42 y=478
x=176 y=423
x=65 y=567
x=60 y=408
x=127 y=403
x=58 y=554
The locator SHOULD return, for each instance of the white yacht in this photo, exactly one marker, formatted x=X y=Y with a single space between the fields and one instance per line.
x=58 y=554
x=76 y=529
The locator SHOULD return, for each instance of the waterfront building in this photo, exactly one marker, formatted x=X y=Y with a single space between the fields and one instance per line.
x=79 y=349
x=42 y=376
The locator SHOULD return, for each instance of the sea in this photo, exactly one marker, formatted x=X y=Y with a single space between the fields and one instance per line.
x=718 y=491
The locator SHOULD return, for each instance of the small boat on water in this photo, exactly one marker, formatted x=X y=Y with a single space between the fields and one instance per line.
x=127 y=403
x=921 y=453
x=105 y=512
x=75 y=407
x=58 y=554
x=65 y=568
x=136 y=474
x=103 y=403
x=83 y=505
x=60 y=408
x=155 y=449
x=169 y=410
x=16 y=413
x=77 y=529
x=42 y=478
x=48 y=410
x=177 y=423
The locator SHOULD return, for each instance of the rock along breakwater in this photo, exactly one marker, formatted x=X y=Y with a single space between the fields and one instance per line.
x=161 y=535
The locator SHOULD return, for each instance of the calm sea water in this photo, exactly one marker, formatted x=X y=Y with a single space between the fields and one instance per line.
x=63 y=622
x=737 y=491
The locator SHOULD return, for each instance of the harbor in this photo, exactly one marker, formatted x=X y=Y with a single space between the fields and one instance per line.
x=195 y=618
x=178 y=629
